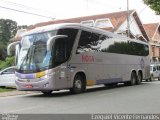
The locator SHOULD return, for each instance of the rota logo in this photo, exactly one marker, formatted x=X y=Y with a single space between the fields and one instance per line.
x=86 y=58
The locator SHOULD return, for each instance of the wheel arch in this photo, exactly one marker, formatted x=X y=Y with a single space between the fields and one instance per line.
x=140 y=72
x=133 y=71
x=81 y=73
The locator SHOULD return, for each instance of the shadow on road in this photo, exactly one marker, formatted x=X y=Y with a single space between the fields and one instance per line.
x=89 y=90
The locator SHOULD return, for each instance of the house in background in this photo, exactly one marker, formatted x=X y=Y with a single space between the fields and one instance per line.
x=115 y=22
x=153 y=31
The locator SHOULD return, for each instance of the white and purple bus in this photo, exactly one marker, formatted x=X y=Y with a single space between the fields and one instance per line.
x=73 y=56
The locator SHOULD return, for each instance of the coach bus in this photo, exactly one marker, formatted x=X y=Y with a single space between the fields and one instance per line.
x=73 y=56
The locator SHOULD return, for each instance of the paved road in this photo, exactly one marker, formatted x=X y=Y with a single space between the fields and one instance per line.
x=144 y=98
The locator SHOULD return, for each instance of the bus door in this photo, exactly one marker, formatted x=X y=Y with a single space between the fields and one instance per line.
x=61 y=55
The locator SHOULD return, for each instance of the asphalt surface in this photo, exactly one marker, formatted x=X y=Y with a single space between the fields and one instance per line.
x=144 y=98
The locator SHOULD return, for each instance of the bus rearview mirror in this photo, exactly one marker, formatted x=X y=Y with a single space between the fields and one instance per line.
x=51 y=41
x=12 y=46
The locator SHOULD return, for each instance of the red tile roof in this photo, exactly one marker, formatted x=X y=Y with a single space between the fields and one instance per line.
x=151 y=29
x=116 y=18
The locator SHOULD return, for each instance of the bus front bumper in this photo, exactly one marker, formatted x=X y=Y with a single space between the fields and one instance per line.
x=42 y=85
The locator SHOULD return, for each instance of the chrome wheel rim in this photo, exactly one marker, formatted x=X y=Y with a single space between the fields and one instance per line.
x=78 y=84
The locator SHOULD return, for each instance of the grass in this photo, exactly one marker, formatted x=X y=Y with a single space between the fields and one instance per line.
x=6 y=89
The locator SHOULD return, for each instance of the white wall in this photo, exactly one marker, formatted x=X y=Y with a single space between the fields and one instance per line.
x=135 y=30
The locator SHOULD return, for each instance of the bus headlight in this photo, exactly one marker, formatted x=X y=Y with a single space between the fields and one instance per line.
x=45 y=77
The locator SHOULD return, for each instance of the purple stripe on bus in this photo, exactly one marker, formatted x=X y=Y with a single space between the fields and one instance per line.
x=25 y=76
x=108 y=81
x=30 y=76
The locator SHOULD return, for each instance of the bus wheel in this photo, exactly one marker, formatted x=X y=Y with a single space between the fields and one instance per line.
x=133 y=79
x=151 y=78
x=78 y=85
x=47 y=92
x=139 y=78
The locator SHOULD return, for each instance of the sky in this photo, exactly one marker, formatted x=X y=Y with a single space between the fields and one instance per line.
x=62 y=9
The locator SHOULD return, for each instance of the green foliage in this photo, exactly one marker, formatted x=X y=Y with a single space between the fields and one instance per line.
x=3 y=51
x=153 y=4
x=8 y=29
x=5 y=89
x=9 y=61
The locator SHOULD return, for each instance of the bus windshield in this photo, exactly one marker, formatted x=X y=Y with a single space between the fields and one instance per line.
x=33 y=56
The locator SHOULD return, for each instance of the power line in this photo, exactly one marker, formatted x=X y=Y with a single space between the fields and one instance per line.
x=21 y=5
x=17 y=4
x=25 y=12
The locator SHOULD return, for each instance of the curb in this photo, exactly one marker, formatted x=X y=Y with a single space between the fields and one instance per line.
x=14 y=93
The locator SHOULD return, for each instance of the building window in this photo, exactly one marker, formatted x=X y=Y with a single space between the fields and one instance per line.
x=103 y=23
x=89 y=23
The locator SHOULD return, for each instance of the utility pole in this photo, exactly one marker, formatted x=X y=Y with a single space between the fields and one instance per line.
x=128 y=26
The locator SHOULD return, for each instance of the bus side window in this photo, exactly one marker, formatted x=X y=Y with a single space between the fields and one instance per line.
x=60 y=51
x=71 y=36
x=89 y=41
x=83 y=42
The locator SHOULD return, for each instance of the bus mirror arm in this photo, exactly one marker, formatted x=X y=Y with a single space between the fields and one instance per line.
x=9 y=47
x=50 y=42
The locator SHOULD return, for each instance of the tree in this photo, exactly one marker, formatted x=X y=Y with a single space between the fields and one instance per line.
x=9 y=61
x=8 y=29
x=153 y=4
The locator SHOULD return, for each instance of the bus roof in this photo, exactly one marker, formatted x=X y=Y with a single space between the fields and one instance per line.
x=51 y=27
x=78 y=26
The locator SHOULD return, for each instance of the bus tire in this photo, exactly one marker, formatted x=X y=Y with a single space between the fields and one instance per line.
x=78 y=85
x=139 y=78
x=133 y=79
x=151 y=78
x=47 y=92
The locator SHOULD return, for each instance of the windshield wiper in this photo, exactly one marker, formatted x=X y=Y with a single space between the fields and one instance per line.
x=25 y=59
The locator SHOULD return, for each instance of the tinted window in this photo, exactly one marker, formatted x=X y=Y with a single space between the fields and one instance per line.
x=138 y=49
x=157 y=67
x=71 y=36
x=154 y=68
x=63 y=46
x=96 y=42
x=126 y=47
x=90 y=42
x=115 y=46
x=60 y=51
